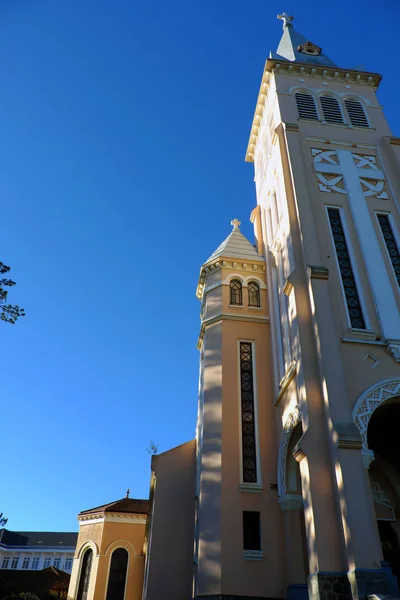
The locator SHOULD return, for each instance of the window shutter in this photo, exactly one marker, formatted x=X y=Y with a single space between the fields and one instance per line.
x=356 y=113
x=306 y=106
x=331 y=109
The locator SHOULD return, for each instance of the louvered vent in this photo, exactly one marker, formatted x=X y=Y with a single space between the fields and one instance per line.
x=331 y=109
x=356 y=113
x=306 y=106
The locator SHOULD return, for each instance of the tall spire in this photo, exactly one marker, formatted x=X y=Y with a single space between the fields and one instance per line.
x=295 y=47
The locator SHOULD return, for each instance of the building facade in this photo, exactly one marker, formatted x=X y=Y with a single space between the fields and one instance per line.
x=291 y=488
x=36 y=550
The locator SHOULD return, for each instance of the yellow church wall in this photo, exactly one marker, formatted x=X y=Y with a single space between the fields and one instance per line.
x=171 y=531
x=240 y=576
x=104 y=538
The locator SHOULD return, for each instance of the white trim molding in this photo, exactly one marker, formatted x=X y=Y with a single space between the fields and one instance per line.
x=293 y=419
x=369 y=401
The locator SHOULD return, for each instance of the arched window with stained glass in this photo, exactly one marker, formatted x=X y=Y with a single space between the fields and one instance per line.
x=236 y=292
x=84 y=578
x=253 y=290
x=117 y=575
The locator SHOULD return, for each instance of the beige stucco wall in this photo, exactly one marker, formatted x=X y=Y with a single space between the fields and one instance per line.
x=103 y=538
x=171 y=532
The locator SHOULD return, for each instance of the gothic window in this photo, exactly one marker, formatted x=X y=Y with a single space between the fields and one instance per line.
x=117 y=576
x=249 y=457
x=346 y=270
x=306 y=106
x=391 y=245
x=253 y=290
x=85 y=575
x=356 y=113
x=331 y=109
x=236 y=292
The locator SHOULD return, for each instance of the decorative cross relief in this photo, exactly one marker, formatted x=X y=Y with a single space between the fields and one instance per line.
x=331 y=176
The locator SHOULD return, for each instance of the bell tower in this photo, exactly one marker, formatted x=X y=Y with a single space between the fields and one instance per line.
x=328 y=190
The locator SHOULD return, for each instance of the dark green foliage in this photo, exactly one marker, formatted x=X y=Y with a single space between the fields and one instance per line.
x=8 y=312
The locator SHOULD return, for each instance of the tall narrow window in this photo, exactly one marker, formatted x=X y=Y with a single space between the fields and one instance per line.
x=35 y=563
x=346 y=271
x=85 y=575
x=356 y=113
x=47 y=563
x=331 y=109
x=4 y=564
x=251 y=530
x=236 y=292
x=391 y=245
x=56 y=563
x=117 y=576
x=249 y=456
x=253 y=290
x=25 y=562
x=306 y=106
x=14 y=562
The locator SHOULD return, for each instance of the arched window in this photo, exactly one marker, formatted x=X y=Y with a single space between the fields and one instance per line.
x=253 y=290
x=117 y=576
x=236 y=292
x=85 y=575
x=306 y=106
x=331 y=109
x=356 y=113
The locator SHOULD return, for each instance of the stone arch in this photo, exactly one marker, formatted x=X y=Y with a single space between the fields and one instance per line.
x=120 y=544
x=293 y=419
x=89 y=544
x=369 y=401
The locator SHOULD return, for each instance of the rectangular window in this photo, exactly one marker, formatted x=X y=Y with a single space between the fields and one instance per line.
x=346 y=270
x=35 y=562
x=47 y=562
x=25 y=562
x=14 y=562
x=391 y=244
x=68 y=564
x=5 y=563
x=56 y=563
x=251 y=530
x=249 y=456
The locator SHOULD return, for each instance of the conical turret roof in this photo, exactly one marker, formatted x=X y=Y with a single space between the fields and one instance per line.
x=236 y=245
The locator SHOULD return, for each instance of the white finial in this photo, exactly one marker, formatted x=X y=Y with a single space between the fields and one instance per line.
x=286 y=19
x=236 y=224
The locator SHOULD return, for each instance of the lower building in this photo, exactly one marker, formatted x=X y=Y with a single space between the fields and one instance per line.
x=36 y=550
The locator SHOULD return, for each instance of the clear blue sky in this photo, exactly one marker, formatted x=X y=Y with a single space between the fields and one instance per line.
x=124 y=125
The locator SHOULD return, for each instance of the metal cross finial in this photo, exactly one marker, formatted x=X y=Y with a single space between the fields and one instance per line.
x=236 y=224
x=286 y=19
x=128 y=491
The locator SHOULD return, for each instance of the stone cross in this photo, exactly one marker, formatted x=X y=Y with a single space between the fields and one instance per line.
x=286 y=19
x=236 y=224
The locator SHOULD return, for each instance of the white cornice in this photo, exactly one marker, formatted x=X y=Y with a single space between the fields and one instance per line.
x=228 y=317
x=294 y=68
x=248 y=266
x=112 y=518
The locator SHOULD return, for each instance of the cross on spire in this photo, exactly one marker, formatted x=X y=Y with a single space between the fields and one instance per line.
x=236 y=224
x=286 y=19
x=128 y=491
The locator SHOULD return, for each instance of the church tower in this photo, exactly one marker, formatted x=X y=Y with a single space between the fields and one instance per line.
x=328 y=191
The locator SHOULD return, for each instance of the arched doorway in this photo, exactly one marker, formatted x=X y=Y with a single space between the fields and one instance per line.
x=384 y=474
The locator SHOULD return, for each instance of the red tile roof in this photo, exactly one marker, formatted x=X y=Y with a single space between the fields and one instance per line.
x=125 y=505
